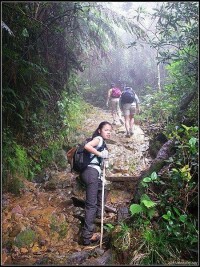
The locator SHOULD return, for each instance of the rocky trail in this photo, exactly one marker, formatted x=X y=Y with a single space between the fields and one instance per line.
x=48 y=216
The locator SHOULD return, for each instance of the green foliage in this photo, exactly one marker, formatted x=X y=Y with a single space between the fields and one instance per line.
x=157 y=107
x=38 y=75
x=164 y=107
x=176 y=41
x=186 y=157
x=45 y=137
x=72 y=111
x=184 y=172
x=60 y=159
x=25 y=238
x=121 y=237
x=146 y=207
x=58 y=227
x=109 y=227
x=152 y=178
x=157 y=247
x=174 y=230
x=95 y=94
x=181 y=82
x=181 y=228
x=14 y=156
x=15 y=164
x=14 y=186
x=180 y=196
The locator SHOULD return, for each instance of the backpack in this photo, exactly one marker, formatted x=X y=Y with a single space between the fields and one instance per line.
x=79 y=158
x=116 y=92
x=128 y=96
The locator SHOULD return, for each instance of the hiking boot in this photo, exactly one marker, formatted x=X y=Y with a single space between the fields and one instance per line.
x=128 y=135
x=89 y=243
x=95 y=237
x=93 y=240
x=131 y=133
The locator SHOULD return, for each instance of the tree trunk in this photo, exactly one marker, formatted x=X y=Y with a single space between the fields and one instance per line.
x=158 y=72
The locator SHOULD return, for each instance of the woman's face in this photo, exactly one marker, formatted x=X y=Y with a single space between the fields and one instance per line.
x=105 y=132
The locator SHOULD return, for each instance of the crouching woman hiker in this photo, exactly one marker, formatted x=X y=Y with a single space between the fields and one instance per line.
x=91 y=177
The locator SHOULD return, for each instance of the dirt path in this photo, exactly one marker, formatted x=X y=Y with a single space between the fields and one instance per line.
x=42 y=225
x=127 y=155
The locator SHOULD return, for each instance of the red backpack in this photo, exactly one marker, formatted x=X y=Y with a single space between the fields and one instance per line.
x=116 y=92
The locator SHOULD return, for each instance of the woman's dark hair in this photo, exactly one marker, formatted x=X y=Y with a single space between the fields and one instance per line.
x=101 y=125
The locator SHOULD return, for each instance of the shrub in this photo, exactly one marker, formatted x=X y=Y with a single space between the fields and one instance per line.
x=25 y=238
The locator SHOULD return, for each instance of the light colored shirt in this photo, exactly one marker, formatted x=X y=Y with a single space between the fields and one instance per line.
x=96 y=160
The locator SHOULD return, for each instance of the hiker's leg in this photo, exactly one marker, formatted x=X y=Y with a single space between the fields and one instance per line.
x=131 y=124
x=90 y=178
x=131 y=121
x=126 y=111
x=119 y=114
x=132 y=113
x=112 y=109
x=118 y=110
x=114 y=102
x=127 y=126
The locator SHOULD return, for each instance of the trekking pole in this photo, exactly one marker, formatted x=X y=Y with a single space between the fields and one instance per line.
x=102 y=204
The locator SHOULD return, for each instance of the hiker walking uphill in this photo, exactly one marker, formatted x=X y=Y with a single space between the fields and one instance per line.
x=92 y=178
x=113 y=97
x=129 y=104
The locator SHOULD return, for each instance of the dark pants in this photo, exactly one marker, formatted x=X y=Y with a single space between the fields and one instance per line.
x=93 y=200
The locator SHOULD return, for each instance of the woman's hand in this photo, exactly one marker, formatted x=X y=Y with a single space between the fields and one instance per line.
x=104 y=154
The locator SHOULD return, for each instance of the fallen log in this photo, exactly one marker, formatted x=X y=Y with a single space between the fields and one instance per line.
x=158 y=163
x=122 y=178
x=164 y=153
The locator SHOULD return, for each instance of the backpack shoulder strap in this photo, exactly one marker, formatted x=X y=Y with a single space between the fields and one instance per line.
x=104 y=145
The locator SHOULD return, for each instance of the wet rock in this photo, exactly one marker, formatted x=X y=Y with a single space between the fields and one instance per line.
x=105 y=259
x=17 y=209
x=51 y=185
x=5 y=258
x=99 y=251
x=16 y=229
x=43 y=261
x=77 y=257
x=123 y=213
x=66 y=204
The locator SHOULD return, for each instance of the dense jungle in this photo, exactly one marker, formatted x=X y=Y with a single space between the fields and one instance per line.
x=58 y=62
